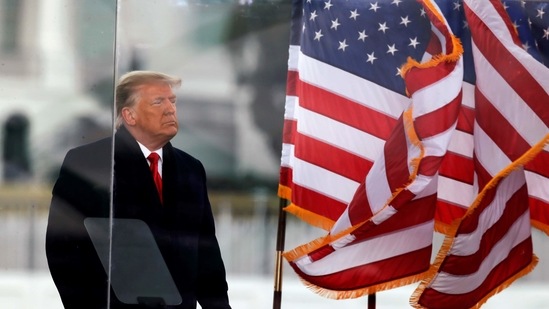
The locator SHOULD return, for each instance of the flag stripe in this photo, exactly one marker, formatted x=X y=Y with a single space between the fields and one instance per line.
x=288 y=133
x=332 y=158
x=538 y=207
x=465 y=198
x=406 y=217
x=350 y=113
x=433 y=123
x=395 y=155
x=490 y=157
x=437 y=144
x=537 y=187
x=323 y=181
x=462 y=144
x=364 y=277
x=450 y=212
x=466 y=119
x=332 y=132
x=458 y=168
x=291 y=83
x=402 y=242
x=539 y=164
x=317 y=202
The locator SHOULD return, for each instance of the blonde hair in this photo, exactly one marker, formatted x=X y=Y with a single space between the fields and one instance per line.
x=127 y=93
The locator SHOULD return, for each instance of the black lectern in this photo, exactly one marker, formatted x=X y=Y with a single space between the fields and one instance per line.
x=138 y=272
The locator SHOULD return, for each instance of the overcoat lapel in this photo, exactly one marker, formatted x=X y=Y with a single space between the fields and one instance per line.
x=135 y=192
x=169 y=176
x=177 y=190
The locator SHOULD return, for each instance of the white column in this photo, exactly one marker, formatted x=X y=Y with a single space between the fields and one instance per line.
x=56 y=35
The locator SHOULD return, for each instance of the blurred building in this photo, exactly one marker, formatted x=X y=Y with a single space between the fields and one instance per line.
x=60 y=58
x=46 y=78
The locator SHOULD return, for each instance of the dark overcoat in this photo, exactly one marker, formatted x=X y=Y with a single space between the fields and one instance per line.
x=183 y=225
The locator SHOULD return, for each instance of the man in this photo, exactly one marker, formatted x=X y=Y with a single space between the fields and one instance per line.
x=177 y=210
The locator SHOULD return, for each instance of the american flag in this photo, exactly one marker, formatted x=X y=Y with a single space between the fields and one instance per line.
x=492 y=246
x=360 y=158
x=344 y=103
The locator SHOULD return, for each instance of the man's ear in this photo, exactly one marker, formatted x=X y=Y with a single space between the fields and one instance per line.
x=128 y=116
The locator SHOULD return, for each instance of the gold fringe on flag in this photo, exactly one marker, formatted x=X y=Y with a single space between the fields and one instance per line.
x=341 y=294
x=302 y=213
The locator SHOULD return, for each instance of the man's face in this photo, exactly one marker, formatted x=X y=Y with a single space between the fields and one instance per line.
x=154 y=115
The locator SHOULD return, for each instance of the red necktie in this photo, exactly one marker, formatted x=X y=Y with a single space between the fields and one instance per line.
x=153 y=158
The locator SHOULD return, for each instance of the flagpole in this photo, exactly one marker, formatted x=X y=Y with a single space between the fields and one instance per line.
x=372 y=301
x=280 y=237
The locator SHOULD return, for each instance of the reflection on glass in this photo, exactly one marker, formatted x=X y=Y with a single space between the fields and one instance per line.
x=54 y=55
x=57 y=90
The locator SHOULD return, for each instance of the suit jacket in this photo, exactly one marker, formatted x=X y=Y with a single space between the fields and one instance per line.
x=183 y=225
